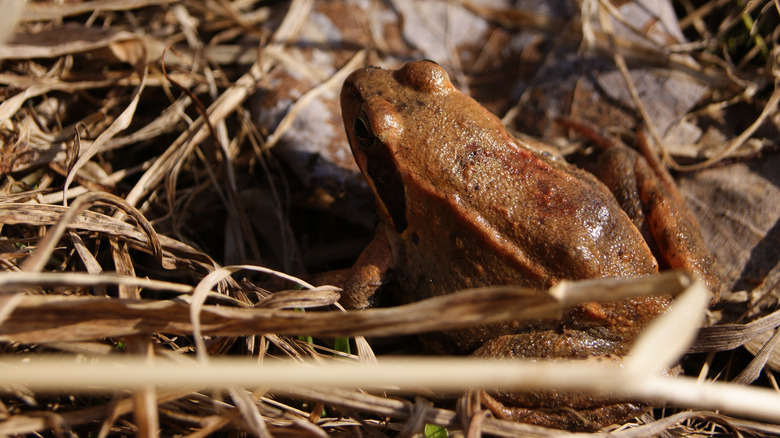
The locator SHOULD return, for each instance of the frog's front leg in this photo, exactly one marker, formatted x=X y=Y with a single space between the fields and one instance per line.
x=659 y=212
x=367 y=274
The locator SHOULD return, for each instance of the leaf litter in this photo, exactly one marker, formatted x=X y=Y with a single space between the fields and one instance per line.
x=129 y=183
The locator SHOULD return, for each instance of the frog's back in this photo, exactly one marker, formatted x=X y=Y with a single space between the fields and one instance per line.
x=509 y=203
x=502 y=226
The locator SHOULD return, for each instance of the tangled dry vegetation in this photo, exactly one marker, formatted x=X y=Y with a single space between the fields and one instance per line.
x=134 y=170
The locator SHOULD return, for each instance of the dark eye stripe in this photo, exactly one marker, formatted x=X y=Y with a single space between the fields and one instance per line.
x=389 y=185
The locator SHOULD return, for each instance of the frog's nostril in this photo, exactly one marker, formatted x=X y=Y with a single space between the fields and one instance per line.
x=350 y=89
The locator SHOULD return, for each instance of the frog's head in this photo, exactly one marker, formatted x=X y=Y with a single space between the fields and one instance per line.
x=411 y=129
x=383 y=116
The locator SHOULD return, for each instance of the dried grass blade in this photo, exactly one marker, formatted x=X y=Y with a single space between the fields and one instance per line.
x=58 y=42
x=246 y=405
x=11 y=106
x=767 y=354
x=205 y=286
x=49 y=318
x=46 y=246
x=50 y=10
x=30 y=214
x=730 y=336
x=225 y=104
x=120 y=124
x=14 y=281
x=37 y=421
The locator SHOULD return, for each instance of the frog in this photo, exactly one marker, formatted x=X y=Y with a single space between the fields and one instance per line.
x=463 y=204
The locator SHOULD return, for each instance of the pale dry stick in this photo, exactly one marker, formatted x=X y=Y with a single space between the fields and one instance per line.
x=38 y=260
x=12 y=10
x=667 y=338
x=63 y=373
x=405 y=374
x=147 y=420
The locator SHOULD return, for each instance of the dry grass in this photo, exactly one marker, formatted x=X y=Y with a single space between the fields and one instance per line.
x=133 y=171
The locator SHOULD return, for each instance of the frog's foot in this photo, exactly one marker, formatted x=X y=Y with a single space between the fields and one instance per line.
x=585 y=419
x=552 y=408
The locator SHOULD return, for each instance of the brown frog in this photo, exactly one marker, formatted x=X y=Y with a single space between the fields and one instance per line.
x=464 y=204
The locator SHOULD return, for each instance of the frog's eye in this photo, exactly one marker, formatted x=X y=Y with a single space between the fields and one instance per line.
x=363 y=132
